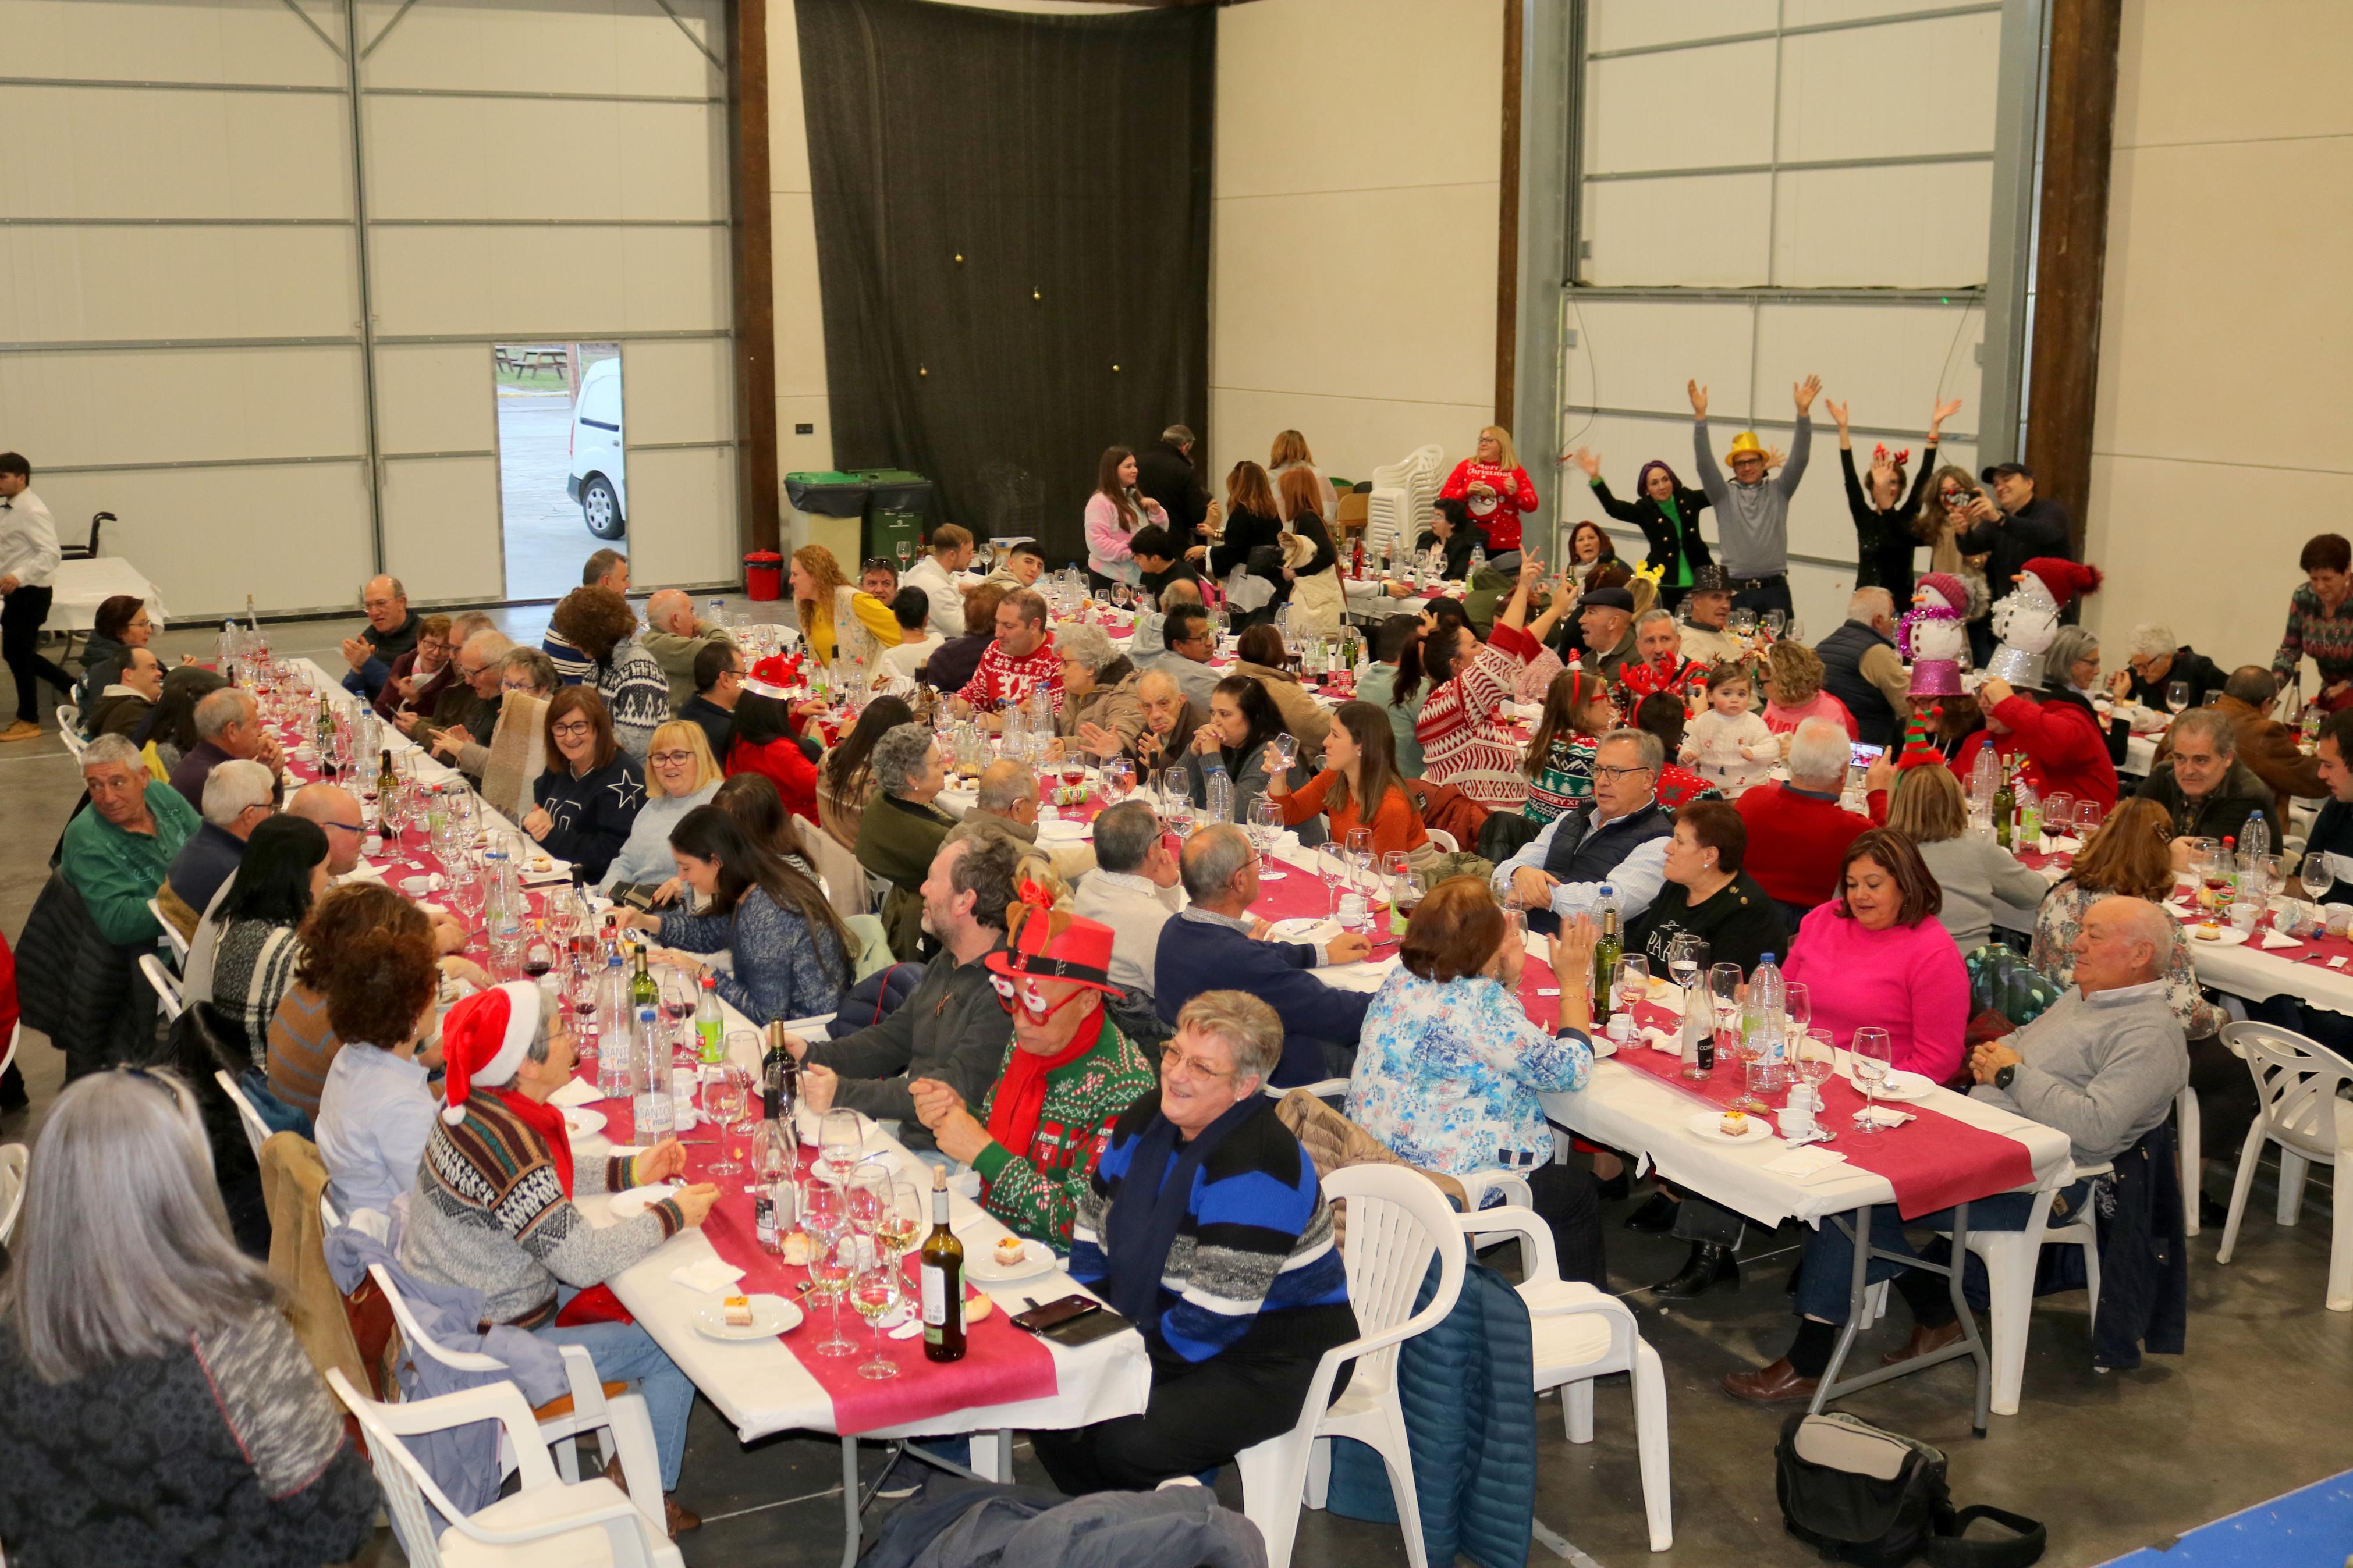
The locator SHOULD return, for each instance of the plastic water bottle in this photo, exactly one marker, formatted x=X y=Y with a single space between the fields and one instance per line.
x=1985 y=778
x=718 y=616
x=649 y=1101
x=613 y=1031
x=1478 y=559
x=1768 y=1001
x=2254 y=841
x=225 y=652
x=710 y=1024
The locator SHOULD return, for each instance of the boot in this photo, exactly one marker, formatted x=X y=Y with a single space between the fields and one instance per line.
x=1708 y=1265
x=1655 y=1218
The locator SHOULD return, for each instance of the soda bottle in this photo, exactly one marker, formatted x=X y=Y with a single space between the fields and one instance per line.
x=710 y=1024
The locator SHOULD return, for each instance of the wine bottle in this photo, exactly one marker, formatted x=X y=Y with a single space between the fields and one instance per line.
x=643 y=991
x=942 y=1280
x=779 y=1070
x=1607 y=950
x=387 y=781
x=2005 y=809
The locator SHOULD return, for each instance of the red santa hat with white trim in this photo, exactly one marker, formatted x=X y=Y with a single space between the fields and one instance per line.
x=484 y=1039
x=2065 y=579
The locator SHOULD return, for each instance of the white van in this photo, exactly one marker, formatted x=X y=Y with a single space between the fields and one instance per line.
x=599 y=478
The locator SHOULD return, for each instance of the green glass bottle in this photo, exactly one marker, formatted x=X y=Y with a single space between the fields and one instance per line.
x=2005 y=810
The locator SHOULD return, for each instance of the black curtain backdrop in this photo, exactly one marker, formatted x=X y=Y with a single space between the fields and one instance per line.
x=1013 y=245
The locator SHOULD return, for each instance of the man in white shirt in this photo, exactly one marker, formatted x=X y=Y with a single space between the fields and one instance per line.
x=916 y=637
x=936 y=575
x=28 y=560
x=1134 y=887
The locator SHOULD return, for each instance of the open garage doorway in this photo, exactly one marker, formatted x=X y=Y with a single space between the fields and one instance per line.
x=563 y=488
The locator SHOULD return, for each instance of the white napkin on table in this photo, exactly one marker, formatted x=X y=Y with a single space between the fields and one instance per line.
x=1366 y=974
x=2273 y=939
x=1806 y=1163
x=711 y=1274
x=1660 y=1040
x=1884 y=1115
x=576 y=1093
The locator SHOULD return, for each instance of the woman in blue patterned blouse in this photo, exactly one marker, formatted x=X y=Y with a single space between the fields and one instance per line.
x=793 y=956
x=1449 y=1065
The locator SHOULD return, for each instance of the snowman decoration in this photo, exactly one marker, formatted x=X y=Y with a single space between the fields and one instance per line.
x=1933 y=636
x=2028 y=619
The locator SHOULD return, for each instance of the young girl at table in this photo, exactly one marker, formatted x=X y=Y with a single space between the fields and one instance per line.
x=793 y=956
x=1728 y=744
x=1559 y=761
x=1360 y=765
x=588 y=798
x=845 y=778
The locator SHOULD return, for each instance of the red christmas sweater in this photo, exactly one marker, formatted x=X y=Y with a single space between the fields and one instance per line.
x=1001 y=680
x=1515 y=494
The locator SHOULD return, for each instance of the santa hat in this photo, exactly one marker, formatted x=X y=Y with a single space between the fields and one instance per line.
x=1948 y=587
x=774 y=676
x=1919 y=741
x=2065 y=578
x=485 y=1037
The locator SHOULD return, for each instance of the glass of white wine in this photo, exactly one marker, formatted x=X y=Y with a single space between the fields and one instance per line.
x=878 y=1293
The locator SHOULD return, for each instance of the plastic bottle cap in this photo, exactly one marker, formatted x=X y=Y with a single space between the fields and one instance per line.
x=1764 y=958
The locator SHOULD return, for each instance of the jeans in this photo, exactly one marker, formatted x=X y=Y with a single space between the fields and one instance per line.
x=624 y=1352
x=21 y=615
x=1773 y=596
x=1826 y=1271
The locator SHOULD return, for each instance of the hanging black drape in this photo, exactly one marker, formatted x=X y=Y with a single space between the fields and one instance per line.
x=1013 y=245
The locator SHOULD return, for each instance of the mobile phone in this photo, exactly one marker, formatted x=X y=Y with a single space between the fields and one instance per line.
x=637 y=896
x=1865 y=753
x=1054 y=1314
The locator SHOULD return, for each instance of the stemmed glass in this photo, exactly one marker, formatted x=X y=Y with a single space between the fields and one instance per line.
x=834 y=1255
x=1774 y=622
x=868 y=1189
x=1723 y=988
x=1356 y=853
x=2177 y=695
x=1118 y=779
x=678 y=1008
x=725 y=1085
x=840 y=1141
x=879 y=1292
x=1686 y=957
x=1282 y=748
x=906 y=553
x=902 y=1220
x=1872 y=1057
x=1798 y=998
x=1265 y=828
x=1815 y=1058
x=2317 y=876
x=1632 y=982
x=2087 y=819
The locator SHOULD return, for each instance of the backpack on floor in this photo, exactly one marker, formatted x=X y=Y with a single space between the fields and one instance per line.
x=1860 y=1494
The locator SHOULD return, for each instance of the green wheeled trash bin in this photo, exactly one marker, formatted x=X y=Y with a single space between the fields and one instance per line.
x=896 y=505
x=828 y=508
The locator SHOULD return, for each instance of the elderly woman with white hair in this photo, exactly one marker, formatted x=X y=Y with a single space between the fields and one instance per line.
x=2153 y=664
x=901 y=829
x=154 y=1405
x=1101 y=713
x=1205 y=1226
x=2067 y=747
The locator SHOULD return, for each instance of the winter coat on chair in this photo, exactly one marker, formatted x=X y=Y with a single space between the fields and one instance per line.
x=83 y=991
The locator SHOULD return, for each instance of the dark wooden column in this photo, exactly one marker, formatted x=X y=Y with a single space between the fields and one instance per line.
x=1507 y=226
x=2080 y=102
x=753 y=270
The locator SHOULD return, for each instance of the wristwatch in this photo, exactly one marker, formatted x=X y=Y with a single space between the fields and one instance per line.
x=2001 y=1079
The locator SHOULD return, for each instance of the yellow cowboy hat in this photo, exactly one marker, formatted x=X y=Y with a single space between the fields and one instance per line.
x=1746 y=443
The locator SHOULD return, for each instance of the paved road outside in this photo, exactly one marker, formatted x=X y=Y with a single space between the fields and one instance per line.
x=545 y=540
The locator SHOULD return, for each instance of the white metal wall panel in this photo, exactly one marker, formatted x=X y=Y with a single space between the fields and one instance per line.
x=83 y=284
x=1922 y=227
x=574 y=283
x=1904 y=89
x=677 y=391
x=682 y=513
x=435 y=397
x=146 y=152
x=1639 y=354
x=441 y=526
x=1684 y=109
x=173 y=40
x=1639 y=24
x=182 y=406
x=1708 y=230
x=545 y=45
x=501 y=158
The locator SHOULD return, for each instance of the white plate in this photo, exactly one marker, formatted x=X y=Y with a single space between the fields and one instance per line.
x=771 y=1316
x=1710 y=1124
x=980 y=1263
x=1059 y=831
x=1307 y=928
x=629 y=1204
x=1906 y=1086
x=1604 y=1048
x=582 y=1123
x=2227 y=936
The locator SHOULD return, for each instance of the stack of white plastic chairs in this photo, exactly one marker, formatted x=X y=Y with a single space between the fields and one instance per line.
x=1402 y=492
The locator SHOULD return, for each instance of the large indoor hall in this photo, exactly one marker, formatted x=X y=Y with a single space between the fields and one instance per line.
x=1196 y=783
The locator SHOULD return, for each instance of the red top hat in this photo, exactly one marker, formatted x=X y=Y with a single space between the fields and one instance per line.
x=1044 y=943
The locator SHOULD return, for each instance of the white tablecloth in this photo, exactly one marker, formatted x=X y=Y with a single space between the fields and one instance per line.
x=761 y=1385
x=79 y=588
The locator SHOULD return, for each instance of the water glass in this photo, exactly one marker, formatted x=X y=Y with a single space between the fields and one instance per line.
x=1632 y=984
x=841 y=1139
x=1873 y=1054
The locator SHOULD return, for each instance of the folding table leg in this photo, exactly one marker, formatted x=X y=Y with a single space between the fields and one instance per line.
x=1958 y=1282
x=849 y=1502
x=1858 y=1288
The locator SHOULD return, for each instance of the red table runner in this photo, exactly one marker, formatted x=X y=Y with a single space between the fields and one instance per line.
x=1933 y=1162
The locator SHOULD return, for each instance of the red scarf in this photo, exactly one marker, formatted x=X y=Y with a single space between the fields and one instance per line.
x=547 y=1121
x=1021 y=1095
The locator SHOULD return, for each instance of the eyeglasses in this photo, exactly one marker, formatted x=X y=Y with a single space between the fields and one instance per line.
x=340 y=826
x=670 y=759
x=1171 y=1058
x=1611 y=775
x=570 y=732
x=879 y=563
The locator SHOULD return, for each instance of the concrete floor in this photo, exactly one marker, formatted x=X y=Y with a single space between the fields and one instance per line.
x=2109 y=1463
x=545 y=539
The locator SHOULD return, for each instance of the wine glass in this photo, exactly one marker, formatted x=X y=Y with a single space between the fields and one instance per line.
x=677 y=1008
x=1282 y=748
x=1686 y=957
x=902 y=1220
x=1724 y=988
x=724 y=1087
x=869 y=1189
x=877 y=1292
x=1265 y=828
x=2087 y=819
x=906 y=553
x=1742 y=624
x=1872 y=1054
x=1631 y=981
x=1799 y=999
x=1775 y=621
x=1817 y=1058
x=2317 y=876
x=2177 y=695
x=1118 y=779
x=833 y=1258
x=842 y=1138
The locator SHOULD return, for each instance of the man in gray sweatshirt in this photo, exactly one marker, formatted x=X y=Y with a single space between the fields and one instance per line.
x=2102 y=1066
x=1752 y=512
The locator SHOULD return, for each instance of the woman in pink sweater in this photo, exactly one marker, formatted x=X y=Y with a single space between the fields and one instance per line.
x=1877 y=957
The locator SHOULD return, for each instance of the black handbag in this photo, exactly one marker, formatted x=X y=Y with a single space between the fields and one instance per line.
x=1859 y=1494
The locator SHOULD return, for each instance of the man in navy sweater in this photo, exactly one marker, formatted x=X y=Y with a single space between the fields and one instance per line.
x=1216 y=945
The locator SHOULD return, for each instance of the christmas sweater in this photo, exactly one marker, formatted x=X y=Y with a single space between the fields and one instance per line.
x=1037 y=1191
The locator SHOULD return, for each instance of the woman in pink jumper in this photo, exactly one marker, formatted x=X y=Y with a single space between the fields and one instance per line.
x=1877 y=957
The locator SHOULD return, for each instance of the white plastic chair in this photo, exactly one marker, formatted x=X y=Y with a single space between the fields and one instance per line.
x=13 y=1158
x=256 y=1131
x=1445 y=840
x=2186 y=1133
x=70 y=719
x=549 y=1524
x=167 y=988
x=2296 y=1084
x=845 y=878
x=178 y=944
x=1397 y=1221
x=588 y=1408
x=1581 y=1334
x=16 y=1033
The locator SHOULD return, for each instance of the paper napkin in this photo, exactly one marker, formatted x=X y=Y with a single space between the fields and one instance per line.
x=576 y=1093
x=2273 y=939
x=711 y=1274
x=1805 y=1162
x=1884 y=1115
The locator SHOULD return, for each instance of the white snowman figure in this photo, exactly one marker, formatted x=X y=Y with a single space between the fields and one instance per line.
x=1934 y=635
x=2028 y=619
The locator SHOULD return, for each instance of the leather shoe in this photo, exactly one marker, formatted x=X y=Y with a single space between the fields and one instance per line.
x=1656 y=1217
x=679 y=1520
x=1616 y=1187
x=1771 y=1385
x=1923 y=1342
x=1708 y=1265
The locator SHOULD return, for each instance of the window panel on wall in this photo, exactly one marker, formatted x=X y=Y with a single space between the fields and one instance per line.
x=1639 y=354
x=1919 y=226
x=441 y=531
x=1684 y=109
x=1639 y=23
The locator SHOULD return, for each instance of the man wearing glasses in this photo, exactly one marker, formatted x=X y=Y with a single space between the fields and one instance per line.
x=878 y=575
x=468 y=708
x=1623 y=841
x=392 y=630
